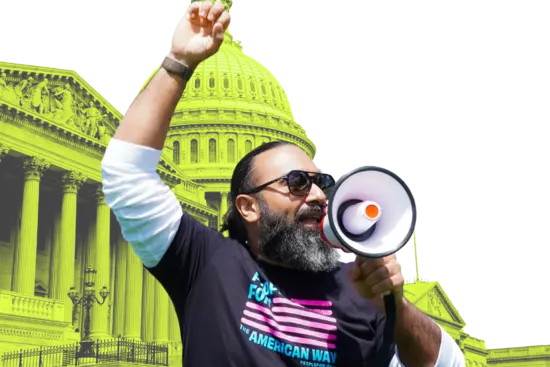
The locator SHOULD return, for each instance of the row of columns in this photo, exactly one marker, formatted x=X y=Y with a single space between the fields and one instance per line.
x=137 y=295
x=64 y=239
x=63 y=249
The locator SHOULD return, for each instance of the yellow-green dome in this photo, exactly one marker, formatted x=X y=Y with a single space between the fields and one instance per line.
x=232 y=88
x=230 y=79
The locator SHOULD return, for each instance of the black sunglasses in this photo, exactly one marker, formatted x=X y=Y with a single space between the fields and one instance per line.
x=300 y=182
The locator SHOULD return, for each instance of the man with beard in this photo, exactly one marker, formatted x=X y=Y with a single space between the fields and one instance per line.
x=283 y=241
x=272 y=294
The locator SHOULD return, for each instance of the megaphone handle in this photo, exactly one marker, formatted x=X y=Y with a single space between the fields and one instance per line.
x=389 y=328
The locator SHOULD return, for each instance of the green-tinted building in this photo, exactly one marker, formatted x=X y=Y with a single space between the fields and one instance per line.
x=54 y=222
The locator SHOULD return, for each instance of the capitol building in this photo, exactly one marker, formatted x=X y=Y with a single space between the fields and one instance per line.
x=61 y=246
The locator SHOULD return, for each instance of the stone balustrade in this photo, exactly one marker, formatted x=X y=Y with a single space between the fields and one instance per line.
x=12 y=303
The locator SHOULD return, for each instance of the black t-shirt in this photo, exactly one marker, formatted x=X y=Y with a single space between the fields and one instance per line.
x=237 y=311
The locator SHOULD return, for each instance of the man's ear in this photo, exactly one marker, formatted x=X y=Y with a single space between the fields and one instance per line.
x=248 y=207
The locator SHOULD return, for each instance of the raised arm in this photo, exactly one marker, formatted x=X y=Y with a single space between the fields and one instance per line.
x=148 y=212
x=198 y=36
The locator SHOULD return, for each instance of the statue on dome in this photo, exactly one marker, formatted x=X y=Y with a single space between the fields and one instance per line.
x=226 y=3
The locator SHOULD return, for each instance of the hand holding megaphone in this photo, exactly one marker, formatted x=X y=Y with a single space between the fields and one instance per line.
x=375 y=279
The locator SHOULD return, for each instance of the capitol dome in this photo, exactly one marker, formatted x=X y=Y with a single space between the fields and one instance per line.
x=231 y=105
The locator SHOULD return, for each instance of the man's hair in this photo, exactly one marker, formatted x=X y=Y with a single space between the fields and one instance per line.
x=242 y=181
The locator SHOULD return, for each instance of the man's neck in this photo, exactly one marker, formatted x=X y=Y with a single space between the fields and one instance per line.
x=257 y=254
x=260 y=257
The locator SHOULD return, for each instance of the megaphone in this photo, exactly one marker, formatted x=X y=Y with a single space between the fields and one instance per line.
x=371 y=212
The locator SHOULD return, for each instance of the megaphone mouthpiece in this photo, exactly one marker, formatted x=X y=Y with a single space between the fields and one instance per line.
x=358 y=218
x=372 y=211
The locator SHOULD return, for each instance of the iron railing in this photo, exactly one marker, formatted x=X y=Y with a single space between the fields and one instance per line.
x=103 y=351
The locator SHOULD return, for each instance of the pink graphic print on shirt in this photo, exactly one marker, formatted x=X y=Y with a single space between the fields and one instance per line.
x=301 y=329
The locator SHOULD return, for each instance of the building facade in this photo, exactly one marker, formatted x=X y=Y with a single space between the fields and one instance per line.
x=55 y=224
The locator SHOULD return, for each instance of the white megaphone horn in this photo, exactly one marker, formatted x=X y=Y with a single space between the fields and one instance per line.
x=371 y=212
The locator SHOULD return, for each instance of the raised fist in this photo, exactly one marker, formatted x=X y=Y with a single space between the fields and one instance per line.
x=199 y=33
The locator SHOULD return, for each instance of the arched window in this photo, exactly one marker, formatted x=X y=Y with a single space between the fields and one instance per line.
x=239 y=82
x=197 y=83
x=231 y=151
x=194 y=151
x=212 y=151
x=176 y=152
x=212 y=81
x=247 y=146
x=252 y=86
x=226 y=82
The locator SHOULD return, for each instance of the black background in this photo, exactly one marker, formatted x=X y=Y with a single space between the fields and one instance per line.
x=457 y=108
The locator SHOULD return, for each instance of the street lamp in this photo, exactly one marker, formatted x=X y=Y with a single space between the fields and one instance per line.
x=88 y=298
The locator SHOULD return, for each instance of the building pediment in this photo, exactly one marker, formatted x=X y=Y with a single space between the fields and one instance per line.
x=61 y=105
x=432 y=300
x=60 y=98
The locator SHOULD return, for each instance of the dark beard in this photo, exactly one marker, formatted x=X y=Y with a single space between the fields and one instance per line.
x=294 y=244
